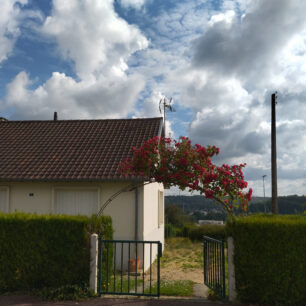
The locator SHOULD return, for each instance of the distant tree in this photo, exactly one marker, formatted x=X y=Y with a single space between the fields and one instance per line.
x=175 y=215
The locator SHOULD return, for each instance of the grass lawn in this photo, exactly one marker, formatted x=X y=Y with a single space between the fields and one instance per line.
x=184 y=253
x=182 y=260
x=174 y=288
x=124 y=286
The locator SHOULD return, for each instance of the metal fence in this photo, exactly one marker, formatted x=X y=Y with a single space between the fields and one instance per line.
x=129 y=267
x=214 y=265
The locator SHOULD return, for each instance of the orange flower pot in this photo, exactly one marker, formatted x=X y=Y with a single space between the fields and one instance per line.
x=134 y=265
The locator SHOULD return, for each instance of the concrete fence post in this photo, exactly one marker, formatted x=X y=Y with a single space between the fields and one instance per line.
x=231 y=270
x=93 y=278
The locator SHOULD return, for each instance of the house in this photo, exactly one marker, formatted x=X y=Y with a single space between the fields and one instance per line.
x=214 y=222
x=72 y=167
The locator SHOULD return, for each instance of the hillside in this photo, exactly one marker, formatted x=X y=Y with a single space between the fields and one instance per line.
x=291 y=204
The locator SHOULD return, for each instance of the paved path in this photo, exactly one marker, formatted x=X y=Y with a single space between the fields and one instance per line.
x=21 y=300
x=200 y=294
x=200 y=291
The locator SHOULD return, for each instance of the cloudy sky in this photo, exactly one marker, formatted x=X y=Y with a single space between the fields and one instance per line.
x=219 y=61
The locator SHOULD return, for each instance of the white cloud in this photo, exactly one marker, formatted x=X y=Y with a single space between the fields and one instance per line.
x=150 y=106
x=92 y=35
x=136 y=4
x=10 y=15
x=98 y=43
x=248 y=44
x=153 y=107
x=284 y=186
x=242 y=56
x=82 y=100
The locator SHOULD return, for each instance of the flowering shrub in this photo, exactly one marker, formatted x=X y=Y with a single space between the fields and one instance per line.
x=179 y=163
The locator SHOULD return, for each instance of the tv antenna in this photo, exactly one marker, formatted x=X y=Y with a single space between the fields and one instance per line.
x=164 y=105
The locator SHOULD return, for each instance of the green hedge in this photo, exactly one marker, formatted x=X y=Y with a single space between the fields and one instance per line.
x=195 y=232
x=47 y=251
x=172 y=231
x=270 y=259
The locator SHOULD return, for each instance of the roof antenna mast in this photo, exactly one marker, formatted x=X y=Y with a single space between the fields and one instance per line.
x=165 y=104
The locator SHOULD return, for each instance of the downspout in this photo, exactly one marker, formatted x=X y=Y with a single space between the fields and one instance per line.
x=136 y=213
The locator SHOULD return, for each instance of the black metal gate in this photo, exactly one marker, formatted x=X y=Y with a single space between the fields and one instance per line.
x=129 y=267
x=214 y=265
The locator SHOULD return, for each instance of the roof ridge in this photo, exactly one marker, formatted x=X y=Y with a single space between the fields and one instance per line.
x=84 y=120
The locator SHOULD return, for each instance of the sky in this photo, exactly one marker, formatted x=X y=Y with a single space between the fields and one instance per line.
x=219 y=61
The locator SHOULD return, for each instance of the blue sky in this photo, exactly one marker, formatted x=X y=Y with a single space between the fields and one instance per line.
x=219 y=61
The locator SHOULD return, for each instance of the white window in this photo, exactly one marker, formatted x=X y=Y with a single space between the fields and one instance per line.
x=4 y=199
x=76 y=202
x=160 y=208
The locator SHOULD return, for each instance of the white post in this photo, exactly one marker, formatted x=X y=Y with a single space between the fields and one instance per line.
x=93 y=278
x=231 y=270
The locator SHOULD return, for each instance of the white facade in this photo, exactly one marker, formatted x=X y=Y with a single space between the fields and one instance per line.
x=86 y=199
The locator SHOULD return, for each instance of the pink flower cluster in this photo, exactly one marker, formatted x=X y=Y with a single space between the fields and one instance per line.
x=179 y=163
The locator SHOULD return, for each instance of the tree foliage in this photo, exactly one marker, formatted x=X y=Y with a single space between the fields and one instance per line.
x=175 y=215
x=187 y=166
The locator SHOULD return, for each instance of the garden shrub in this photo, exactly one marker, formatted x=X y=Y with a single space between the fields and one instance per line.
x=47 y=251
x=210 y=230
x=172 y=231
x=63 y=293
x=196 y=232
x=269 y=257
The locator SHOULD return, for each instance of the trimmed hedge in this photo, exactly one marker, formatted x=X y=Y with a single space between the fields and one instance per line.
x=211 y=230
x=270 y=259
x=195 y=232
x=47 y=251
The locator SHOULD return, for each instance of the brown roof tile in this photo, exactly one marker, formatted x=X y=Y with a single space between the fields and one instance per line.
x=70 y=150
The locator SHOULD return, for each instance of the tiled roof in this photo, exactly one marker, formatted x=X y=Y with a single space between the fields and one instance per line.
x=70 y=150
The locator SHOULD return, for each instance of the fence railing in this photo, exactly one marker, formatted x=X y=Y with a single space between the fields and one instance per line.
x=129 y=267
x=214 y=265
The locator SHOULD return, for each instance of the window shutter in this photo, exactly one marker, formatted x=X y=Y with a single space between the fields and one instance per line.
x=76 y=202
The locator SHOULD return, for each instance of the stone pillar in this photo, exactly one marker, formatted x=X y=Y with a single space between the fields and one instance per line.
x=93 y=278
x=231 y=270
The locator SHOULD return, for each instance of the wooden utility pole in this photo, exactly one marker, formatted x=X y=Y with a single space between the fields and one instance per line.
x=264 y=191
x=273 y=155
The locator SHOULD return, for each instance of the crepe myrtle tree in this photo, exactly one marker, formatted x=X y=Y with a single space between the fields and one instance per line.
x=189 y=167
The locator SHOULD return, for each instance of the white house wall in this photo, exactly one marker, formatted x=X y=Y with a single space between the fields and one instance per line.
x=121 y=209
x=151 y=230
x=30 y=197
x=41 y=198
x=123 y=213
